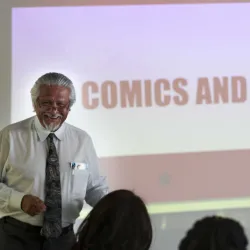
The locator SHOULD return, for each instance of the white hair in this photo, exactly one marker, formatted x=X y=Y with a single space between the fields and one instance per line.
x=55 y=79
x=51 y=127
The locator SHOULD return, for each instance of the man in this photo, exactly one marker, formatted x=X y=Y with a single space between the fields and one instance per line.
x=41 y=194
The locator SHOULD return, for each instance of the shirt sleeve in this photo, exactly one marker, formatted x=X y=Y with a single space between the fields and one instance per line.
x=97 y=185
x=10 y=199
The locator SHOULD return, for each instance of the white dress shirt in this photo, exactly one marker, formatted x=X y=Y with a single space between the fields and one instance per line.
x=23 y=153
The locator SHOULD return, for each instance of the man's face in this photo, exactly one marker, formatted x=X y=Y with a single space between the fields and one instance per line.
x=52 y=106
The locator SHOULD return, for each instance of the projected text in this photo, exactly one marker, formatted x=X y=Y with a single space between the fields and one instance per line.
x=163 y=92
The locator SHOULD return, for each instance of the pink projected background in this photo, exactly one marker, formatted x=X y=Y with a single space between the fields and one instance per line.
x=168 y=144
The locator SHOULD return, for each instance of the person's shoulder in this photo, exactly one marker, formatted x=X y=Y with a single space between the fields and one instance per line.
x=77 y=132
x=20 y=126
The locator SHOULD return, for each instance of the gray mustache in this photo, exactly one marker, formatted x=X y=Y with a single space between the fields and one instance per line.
x=53 y=116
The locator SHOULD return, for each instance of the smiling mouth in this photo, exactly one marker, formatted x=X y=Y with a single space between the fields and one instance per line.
x=52 y=117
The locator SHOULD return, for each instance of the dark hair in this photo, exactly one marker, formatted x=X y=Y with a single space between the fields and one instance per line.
x=119 y=221
x=215 y=233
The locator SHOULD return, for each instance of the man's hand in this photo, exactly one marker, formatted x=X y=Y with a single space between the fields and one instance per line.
x=32 y=205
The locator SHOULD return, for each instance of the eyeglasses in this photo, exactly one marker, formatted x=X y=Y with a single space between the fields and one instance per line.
x=48 y=104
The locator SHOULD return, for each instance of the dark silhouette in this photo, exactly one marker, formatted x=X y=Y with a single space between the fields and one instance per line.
x=119 y=221
x=215 y=233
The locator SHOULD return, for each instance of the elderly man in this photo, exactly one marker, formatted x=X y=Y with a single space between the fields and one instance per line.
x=41 y=189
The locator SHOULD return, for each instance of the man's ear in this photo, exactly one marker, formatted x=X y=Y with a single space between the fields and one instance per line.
x=34 y=107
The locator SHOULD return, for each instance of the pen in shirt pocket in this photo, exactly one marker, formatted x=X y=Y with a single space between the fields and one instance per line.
x=73 y=166
x=78 y=166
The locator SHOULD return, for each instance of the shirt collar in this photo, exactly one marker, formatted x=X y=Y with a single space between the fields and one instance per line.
x=43 y=133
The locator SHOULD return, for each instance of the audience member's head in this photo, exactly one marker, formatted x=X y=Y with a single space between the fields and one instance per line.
x=215 y=233
x=119 y=221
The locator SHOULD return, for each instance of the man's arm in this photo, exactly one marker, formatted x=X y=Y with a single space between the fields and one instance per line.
x=10 y=199
x=97 y=185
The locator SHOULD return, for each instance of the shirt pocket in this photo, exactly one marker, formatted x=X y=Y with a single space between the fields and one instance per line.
x=79 y=183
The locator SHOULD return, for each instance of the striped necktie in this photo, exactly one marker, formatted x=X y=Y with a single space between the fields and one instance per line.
x=52 y=225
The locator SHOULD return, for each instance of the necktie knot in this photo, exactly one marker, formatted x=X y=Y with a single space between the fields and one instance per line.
x=51 y=136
